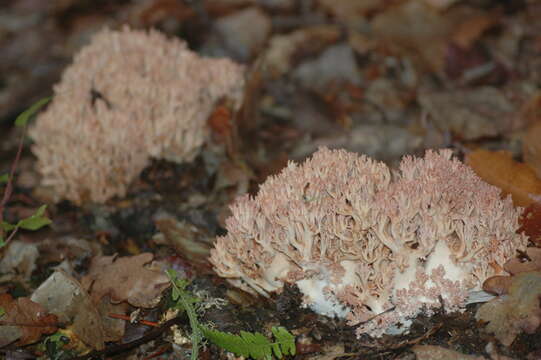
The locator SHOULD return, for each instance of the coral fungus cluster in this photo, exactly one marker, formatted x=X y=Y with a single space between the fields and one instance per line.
x=128 y=96
x=364 y=244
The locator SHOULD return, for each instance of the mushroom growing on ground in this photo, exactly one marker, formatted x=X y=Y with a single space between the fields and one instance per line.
x=129 y=96
x=364 y=244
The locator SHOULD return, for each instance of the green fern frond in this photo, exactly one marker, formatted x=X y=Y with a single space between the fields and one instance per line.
x=247 y=344
x=187 y=302
x=254 y=345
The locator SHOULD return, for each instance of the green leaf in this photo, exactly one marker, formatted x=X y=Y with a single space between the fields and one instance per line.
x=285 y=339
x=254 y=345
x=36 y=221
x=7 y=226
x=2 y=242
x=247 y=344
x=40 y=211
x=23 y=118
x=172 y=274
x=2 y=311
x=4 y=178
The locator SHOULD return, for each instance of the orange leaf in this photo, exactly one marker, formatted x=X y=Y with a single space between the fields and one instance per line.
x=531 y=147
x=499 y=169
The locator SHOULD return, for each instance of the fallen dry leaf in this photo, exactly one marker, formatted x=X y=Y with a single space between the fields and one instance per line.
x=530 y=262
x=414 y=29
x=74 y=249
x=433 y=352
x=188 y=240
x=530 y=223
x=531 y=147
x=126 y=279
x=283 y=50
x=468 y=32
x=24 y=320
x=63 y=295
x=499 y=169
x=351 y=11
x=498 y=285
x=468 y=114
x=519 y=310
x=19 y=260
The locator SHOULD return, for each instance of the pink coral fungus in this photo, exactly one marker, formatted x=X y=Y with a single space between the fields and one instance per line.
x=364 y=244
x=128 y=96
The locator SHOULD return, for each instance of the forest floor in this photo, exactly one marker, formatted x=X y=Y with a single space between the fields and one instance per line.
x=381 y=78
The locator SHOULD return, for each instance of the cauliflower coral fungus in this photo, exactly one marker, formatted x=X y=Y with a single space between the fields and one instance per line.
x=129 y=96
x=364 y=244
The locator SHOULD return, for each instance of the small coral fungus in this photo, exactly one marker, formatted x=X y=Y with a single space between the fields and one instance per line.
x=367 y=245
x=129 y=96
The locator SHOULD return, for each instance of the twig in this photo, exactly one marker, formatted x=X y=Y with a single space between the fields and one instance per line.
x=127 y=318
x=8 y=191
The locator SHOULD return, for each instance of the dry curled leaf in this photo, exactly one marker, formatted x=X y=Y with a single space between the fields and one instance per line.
x=499 y=169
x=126 y=279
x=498 y=285
x=519 y=310
x=24 y=320
x=530 y=261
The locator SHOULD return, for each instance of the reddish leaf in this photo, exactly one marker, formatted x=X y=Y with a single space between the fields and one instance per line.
x=29 y=317
x=530 y=223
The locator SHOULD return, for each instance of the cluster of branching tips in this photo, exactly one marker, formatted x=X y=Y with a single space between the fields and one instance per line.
x=368 y=245
x=129 y=96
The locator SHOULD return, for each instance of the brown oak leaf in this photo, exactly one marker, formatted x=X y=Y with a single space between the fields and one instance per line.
x=517 y=310
x=126 y=279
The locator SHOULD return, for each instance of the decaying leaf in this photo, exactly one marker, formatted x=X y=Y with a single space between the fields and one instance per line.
x=530 y=262
x=531 y=145
x=24 y=320
x=64 y=296
x=499 y=169
x=519 y=310
x=498 y=285
x=188 y=240
x=113 y=328
x=469 y=31
x=284 y=49
x=469 y=114
x=530 y=222
x=19 y=260
x=414 y=29
x=75 y=249
x=126 y=279
x=351 y=11
x=433 y=352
